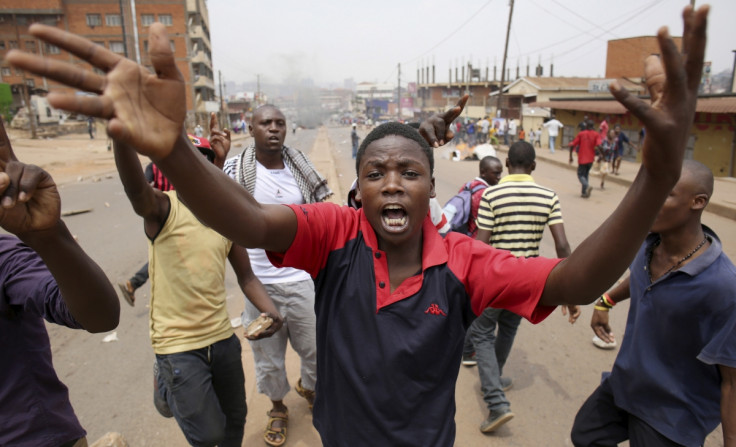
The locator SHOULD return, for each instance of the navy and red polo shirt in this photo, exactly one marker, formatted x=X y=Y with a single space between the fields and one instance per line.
x=387 y=362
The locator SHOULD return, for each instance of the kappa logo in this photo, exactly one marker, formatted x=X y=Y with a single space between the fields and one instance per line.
x=434 y=309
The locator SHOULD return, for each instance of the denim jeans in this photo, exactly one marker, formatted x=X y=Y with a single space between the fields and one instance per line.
x=355 y=149
x=205 y=389
x=583 y=171
x=491 y=352
x=140 y=277
x=552 y=141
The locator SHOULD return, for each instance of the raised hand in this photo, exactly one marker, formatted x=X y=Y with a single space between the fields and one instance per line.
x=219 y=140
x=674 y=91
x=436 y=128
x=29 y=200
x=144 y=109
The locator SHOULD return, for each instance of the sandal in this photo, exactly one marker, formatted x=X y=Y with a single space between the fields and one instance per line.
x=128 y=292
x=305 y=393
x=278 y=432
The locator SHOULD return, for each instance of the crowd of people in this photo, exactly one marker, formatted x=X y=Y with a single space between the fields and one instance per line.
x=388 y=291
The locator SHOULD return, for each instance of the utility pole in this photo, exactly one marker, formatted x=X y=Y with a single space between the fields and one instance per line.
x=467 y=89
x=505 y=53
x=398 y=96
x=223 y=123
x=26 y=96
x=258 y=90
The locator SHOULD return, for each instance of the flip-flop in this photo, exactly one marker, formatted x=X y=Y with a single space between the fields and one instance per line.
x=274 y=416
x=127 y=294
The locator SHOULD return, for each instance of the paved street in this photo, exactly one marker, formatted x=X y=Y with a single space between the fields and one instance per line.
x=554 y=365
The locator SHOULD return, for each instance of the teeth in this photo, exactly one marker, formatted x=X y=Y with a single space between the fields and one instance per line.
x=392 y=207
x=395 y=222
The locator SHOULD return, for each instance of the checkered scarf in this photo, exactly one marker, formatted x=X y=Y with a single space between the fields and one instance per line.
x=312 y=185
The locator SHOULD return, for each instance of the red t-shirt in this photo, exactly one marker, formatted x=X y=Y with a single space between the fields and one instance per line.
x=586 y=141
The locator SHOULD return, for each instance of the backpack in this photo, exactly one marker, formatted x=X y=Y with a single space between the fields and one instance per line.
x=459 y=206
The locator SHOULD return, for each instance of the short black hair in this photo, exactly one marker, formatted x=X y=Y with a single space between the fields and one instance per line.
x=398 y=129
x=521 y=155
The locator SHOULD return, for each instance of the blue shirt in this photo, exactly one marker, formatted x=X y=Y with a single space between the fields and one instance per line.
x=34 y=405
x=679 y=329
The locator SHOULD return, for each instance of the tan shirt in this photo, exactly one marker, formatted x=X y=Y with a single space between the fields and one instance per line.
x=187 y=271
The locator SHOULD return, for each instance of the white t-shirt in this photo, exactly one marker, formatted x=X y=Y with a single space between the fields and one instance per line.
x=553 y=127
x=275 y=186
x=512 y=127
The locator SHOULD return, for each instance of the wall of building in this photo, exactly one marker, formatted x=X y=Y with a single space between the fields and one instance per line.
x=625 y=57
x=711 y=143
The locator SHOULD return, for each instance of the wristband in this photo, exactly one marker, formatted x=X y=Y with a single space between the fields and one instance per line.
x=601 y=308
x=607 y=300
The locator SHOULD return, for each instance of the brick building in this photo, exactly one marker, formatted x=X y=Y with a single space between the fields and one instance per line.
x=625 y=57
x=121 y=26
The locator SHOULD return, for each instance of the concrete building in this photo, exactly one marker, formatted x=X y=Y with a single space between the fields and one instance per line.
x=121 y=26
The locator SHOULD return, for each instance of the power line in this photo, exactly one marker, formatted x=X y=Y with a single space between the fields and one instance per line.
x=457 y=30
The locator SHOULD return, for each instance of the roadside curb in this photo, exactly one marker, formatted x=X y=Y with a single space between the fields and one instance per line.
x=322 y=159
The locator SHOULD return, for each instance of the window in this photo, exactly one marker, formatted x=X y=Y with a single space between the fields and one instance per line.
x=13 y=44
x=117 y=47
x=165 y=19
x=22 y=20
x=31 y=46
x=5 y=71
x=2 y=44
x=147 y=19
x=51 y=49
x=30 y=83
x=113 y=20
x=94 y=20
x=19 y=72
x=145 y=46
x=173 y=47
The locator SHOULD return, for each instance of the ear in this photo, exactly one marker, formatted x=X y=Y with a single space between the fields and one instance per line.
x=358 y=197
x=507 y=163
x=699 y=202
x=432 y=192
x=250 y=130
x=533 y=166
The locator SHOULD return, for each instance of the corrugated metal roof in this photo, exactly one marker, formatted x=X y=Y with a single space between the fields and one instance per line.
x=725 y=104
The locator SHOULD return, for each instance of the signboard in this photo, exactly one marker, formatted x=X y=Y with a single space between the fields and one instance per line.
x=599 y=85
x=211 y=106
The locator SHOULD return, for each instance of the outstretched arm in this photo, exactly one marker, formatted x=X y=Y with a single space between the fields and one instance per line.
x=146 y=111
x=604 y=256
x=31 y=209
x=148 y=202
x=254 y=290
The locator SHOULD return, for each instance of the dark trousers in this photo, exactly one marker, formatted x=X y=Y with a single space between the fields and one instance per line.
x=140 y=277
x=205 y=390
x=600 y=422
x=583 y=171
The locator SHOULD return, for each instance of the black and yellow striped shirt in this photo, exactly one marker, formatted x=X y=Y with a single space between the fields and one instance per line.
x=516 y=211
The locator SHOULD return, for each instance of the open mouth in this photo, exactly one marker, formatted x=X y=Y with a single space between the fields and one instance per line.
x=394 y=217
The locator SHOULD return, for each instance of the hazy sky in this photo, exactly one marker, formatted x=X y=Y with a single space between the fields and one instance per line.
x=329 y=40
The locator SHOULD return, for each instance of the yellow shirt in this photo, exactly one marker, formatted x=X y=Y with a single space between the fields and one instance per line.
x=187 y=271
